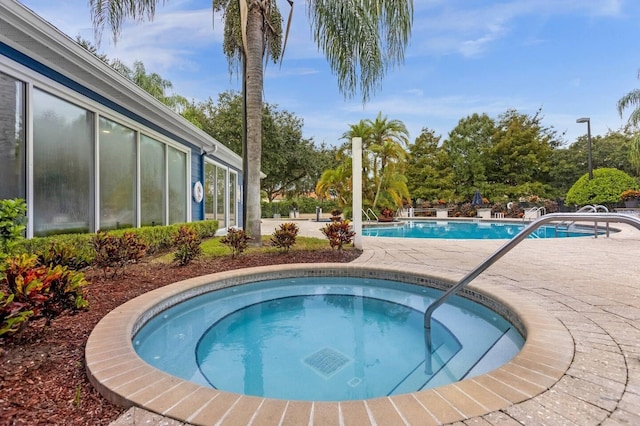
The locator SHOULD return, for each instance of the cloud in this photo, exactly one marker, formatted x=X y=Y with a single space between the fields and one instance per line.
x=173 y=39
x=440 y=114
x=470 y=29
x=274 y=71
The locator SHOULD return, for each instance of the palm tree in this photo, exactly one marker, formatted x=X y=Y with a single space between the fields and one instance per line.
x=388 y=138
x=336 y=184
x=631 y=99
x=390 y=156
x=634 y=154
x=361 y=39
x=383 y=129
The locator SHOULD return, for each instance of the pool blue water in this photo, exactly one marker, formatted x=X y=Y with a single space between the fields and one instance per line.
x=458 y=230
x=324 y=339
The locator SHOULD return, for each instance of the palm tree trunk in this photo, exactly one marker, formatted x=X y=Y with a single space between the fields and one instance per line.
x=254 y=120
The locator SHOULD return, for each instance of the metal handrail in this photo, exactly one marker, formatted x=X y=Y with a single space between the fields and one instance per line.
x=588 y=208
x=533 y=210
x=369 y=211
x=576 y=217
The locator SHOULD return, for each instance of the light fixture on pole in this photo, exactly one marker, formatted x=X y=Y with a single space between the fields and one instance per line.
x=588 y=121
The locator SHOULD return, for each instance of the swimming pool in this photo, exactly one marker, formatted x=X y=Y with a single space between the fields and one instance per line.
x=471 y=230
x=325 y=339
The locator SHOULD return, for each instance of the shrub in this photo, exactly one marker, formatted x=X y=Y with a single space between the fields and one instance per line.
x=285 y=237
x=630 y=194
x=187 y=245
x=116 y=252
x=12 y=218
x=13 y=315
x=160 y=239
x=386 y=212
x=467 y=210
x=63 y=254
x=497 y=208
x=203 y=228
x=551 y=206
x=72 y=250
x=514 y=210
x=45 y=291
x=338 y=233
x=302 y=204
x=605 y=187
x=76 y=250
x=237 y=240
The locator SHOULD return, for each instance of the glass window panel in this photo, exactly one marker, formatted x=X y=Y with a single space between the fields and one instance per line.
x=12 y=140
x=209 y=190
x=221 y=190
x=177 y=186
x=63 y=166
x=117 y=175
x=233 y=202
x=152 y=181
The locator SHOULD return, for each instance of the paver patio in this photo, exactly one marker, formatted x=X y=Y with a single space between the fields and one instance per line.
x=591 y=285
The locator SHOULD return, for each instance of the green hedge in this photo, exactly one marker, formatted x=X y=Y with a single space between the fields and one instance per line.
x=157 y=239
x=302 y=205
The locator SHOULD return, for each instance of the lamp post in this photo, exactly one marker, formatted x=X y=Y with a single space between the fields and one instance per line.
x=588 y=121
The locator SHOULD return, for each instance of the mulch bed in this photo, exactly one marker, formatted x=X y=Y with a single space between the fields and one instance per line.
x=42 y=375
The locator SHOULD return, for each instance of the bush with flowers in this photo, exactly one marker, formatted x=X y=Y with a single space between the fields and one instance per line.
x=630 y=194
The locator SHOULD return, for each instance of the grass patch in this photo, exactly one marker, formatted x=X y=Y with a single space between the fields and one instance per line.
x=212 y=247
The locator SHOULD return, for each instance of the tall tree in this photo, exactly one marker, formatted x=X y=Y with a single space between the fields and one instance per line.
x=383 y=143
x=521 y=152
x=632 y=99
x=387 y=140
x=634 y=155
x=287 y=157
x=429 y=175
x=467 y=148
x=361 y=40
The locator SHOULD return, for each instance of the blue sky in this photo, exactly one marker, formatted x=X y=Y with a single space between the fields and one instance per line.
x=571 y=58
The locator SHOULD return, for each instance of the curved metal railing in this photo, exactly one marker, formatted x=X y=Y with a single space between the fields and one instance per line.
x=575 y=217
x=584 y=209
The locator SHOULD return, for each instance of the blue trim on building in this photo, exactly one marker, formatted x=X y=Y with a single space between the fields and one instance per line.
x=197 y=174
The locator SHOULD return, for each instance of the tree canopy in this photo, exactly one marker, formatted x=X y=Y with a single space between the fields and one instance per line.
x=289 y=161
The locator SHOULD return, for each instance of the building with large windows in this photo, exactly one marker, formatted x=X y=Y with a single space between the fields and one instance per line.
x=89 y=150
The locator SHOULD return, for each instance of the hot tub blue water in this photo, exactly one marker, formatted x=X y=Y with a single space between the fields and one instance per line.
x=324 y=339
x=460 y=230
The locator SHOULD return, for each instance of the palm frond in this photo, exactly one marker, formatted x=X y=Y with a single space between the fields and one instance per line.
x=630 y=99
x=361 y=39
x=114 y=12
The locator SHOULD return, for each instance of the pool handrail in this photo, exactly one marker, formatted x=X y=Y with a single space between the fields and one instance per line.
x=589 y=208
x=372 y=214
x=575 y=217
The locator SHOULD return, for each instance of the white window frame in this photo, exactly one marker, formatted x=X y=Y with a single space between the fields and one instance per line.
x=32 y=80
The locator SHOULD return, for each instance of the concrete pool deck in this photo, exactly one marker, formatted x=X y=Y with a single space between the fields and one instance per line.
x=589 y=285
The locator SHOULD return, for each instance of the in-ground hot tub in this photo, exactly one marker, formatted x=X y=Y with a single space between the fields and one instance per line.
x=122 y=376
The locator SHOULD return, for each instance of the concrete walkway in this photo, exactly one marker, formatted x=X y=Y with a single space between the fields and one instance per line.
x=591 y=285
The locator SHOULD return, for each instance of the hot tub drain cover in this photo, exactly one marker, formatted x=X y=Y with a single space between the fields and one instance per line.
x=326 y=361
